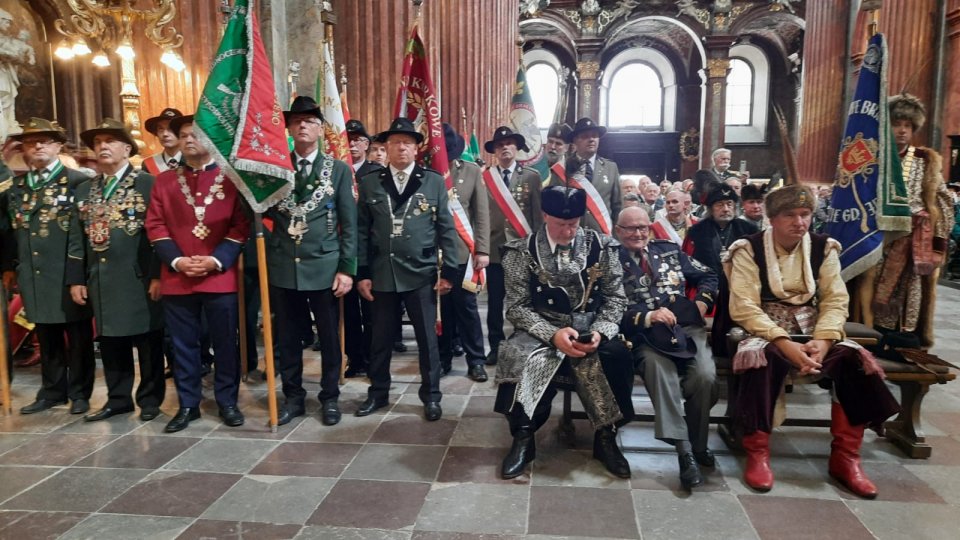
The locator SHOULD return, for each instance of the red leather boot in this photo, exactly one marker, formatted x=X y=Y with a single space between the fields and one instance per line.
x=758 y=474
x=845 y=454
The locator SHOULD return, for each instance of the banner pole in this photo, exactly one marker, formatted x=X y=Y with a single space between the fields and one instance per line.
x=267 y=323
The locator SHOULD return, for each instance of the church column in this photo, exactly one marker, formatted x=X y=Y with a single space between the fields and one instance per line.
x=824 y=69
x=588 y=78
x=713 y=117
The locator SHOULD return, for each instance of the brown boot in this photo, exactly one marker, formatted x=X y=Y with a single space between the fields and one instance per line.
x=845 y=455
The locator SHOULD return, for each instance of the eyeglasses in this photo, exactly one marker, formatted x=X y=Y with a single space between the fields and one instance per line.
x=635 y=230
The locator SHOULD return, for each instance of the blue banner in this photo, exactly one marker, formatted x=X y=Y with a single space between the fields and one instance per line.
x=868 y=195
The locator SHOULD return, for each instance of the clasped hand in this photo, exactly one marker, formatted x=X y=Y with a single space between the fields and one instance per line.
x=808 y=357
x=196 y=265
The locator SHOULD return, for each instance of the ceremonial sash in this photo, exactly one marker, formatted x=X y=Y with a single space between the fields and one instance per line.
x=152 y=165
x=668 y=229
x=594 y=202
x=505 y=201
x=473 y=279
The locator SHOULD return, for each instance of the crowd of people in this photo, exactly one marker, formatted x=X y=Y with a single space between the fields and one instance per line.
x=600 y=278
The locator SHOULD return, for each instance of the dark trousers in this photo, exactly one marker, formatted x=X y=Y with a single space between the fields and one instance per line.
x=496 y=292
x=461 y=318
x=67 y=365
x=356 y=325
x=617 y=364
x=291 y=305
x=865 y=398
x=421 y=308
x=251 y=298
x=118 y=371
x=183 y=316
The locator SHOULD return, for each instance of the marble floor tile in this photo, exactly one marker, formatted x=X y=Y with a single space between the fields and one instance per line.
x=18 y=524
x=173 y=493
x=482 y=431
x=472 y=464
x=17 y=479
x=436 y=535
x=396 y=462
x=116 y=425
x=946 y=422
x=114 y=527
x=138 y=452
x=56 y=449
x=661 y=471
x=222 y=455
x=307 y=459
x=371 y=505
x=943 y=480
x=907 y=521
x=270 y=499
x=575 y=468
x=894 y=483
x=582 y=512
x=206 y=529
x=410 y=404
x=9 y=441
x=343 y=533
x=481 y=406
x=452 y=508
x=414 y=430
x=946 y=451
x=667 y=516
x=787 y=518
x=77 y=490
x=793 y=477
x=351 y=429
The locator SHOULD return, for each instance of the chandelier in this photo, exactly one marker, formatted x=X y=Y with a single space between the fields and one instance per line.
x=108 y=26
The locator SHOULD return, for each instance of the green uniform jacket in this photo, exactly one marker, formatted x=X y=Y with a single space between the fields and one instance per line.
x=42 y=247
x=525 y=188
x=407 y=260
x=469 y=189
x=329 y=244
x=117 y=272
x=606 y=179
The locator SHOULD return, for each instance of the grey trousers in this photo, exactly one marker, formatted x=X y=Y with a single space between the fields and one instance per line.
x=679 y=387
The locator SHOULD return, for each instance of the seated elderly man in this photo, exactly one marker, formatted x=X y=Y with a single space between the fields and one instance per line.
x=786 y=282
x=565 y=299
x=669 y=330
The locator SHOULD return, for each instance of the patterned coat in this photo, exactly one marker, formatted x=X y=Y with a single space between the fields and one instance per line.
x=110 y=254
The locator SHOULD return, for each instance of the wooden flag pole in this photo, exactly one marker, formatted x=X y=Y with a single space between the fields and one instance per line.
x=267 y=323
x=242 y=310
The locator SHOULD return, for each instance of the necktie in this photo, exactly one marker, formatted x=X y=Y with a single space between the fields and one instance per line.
x=304 y=165
x=563 y=249
x=506 y=177
x=109 y=186
x=589 y=172
x=172 y=163
x=642 y=255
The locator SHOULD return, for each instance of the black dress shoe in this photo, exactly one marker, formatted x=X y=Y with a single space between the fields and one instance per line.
x=399 y=346
x=491 y=358
x=79 y=406
x=689 y=471
x=522 y=451
x=432 y=411
x=705 y=458
x=40 y=405
x=330 y=416
x=445 y=368
x=149 y=413
x=317 y=346
x=184 y=416
x=106 y=412
x=231 y=416
x=369 y=406
x=606 y=450
x=457 y=350
x=289 y=411
x=477 y=373
x=352 y=372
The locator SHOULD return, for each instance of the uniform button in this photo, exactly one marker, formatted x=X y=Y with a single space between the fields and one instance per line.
x=38 y=271
x=33 y=234
x=103 y=259
x=297 y=259
x=36 y=253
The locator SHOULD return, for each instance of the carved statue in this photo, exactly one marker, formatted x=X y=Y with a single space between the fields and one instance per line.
x=14 y=52
x=687 y=7
x=590 y=8
x=783 y=4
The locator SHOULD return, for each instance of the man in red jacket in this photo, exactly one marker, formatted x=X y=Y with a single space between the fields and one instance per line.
x=198 y=227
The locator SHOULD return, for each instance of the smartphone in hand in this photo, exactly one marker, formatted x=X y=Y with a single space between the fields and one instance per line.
x=585 y=338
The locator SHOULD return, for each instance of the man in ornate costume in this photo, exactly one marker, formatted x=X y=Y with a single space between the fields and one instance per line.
x=669 y=330
x=565 y=300
x=40 y=203
x=198 y=227
x=311 y=260
x=514 y=212
x=786 y=282
x=751 y=202
x=905 y=292
x=112 y=267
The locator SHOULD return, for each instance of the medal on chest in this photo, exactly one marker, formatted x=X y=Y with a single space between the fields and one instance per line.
x=124 y=210
x=200 y=230
x=298 y=211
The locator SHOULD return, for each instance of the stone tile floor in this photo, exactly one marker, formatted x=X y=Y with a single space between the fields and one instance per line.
x=393 y=475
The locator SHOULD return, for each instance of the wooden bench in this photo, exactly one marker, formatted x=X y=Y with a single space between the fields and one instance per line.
x=905 y=430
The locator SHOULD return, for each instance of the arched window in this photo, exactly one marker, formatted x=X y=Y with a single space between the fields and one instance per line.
x=748 y=95
x=638 y=90
x=739 y=93
x=635 y=98
x=544 y=83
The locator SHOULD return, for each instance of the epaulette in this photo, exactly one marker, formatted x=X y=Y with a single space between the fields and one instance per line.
x=6 y=184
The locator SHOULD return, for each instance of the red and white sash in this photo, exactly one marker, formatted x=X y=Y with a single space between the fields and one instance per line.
x=473 y=279
x=507 y=204
x=154 y=166
x=663 y=224
x=595 y=204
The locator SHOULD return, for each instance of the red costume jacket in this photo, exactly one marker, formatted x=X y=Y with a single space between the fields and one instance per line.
x=171 y=220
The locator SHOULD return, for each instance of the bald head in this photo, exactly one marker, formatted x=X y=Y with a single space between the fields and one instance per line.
x=633 y=228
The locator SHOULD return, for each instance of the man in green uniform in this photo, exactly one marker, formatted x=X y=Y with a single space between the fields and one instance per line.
x=40 y=205
x=111 y=267
x=402 y=221
x=312 y=260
